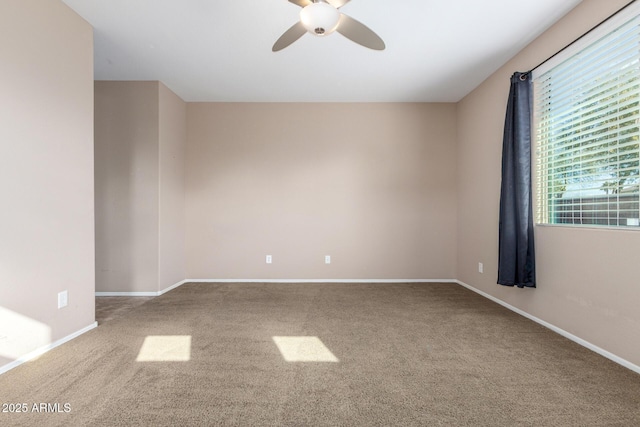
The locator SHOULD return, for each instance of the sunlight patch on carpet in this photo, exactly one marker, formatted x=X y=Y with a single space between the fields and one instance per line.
x=165 y=348
x=304 y=349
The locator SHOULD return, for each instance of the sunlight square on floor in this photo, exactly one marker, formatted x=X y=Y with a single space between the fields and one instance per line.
x=165 y=348
x=304 y=349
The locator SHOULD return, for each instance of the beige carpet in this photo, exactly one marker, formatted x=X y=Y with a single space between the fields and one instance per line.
x=403 y=354
x=109 y=308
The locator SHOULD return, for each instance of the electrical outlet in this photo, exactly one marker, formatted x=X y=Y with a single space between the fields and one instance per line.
x=63 y=299
x=327 y=259
x=269 y=259
x=480 y=268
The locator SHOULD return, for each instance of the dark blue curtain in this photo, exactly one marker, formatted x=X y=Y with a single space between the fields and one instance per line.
x=516 y=258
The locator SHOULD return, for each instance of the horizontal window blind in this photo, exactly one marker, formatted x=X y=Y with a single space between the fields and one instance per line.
x=587 y=131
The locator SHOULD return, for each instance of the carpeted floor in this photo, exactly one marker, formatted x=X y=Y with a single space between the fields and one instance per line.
x=109 y=308
x=407 y=354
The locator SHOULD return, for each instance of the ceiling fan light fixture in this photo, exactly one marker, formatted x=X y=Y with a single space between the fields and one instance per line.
x=320 y=19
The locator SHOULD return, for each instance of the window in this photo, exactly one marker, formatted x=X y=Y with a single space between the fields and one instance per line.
x=587 y=129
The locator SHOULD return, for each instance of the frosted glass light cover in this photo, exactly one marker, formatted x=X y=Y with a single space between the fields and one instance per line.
x=320 y=19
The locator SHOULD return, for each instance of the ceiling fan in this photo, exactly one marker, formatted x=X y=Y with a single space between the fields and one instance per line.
x=321 y=18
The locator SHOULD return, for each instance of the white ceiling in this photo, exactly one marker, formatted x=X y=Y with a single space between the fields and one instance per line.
x=215 y=50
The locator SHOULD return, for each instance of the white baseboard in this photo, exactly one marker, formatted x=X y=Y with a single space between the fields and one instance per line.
x=141 y=294
x=321 y=281
x=40 y=351
x=175 y=285
x=126 y=294
x=576 y=339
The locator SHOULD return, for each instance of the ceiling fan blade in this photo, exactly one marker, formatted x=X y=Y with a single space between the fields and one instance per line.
x=289 y=36
x=337 y=3
x=301 y=3
x=359 y=33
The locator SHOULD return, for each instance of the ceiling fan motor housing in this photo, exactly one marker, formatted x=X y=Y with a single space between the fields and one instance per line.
x=320 y=18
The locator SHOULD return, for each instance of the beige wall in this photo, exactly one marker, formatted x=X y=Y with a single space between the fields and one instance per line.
x=127 y=191
x=172 y=141
x=140 y=133
x=587 y=278
x=46 y=175
x=372 y=185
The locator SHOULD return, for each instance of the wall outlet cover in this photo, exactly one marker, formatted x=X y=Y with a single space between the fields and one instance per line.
x=63 y=299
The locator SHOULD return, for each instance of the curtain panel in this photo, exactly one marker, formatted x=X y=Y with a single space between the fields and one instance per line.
x=516 y=255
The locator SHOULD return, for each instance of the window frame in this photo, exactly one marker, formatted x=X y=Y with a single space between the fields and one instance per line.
x=630 y=12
